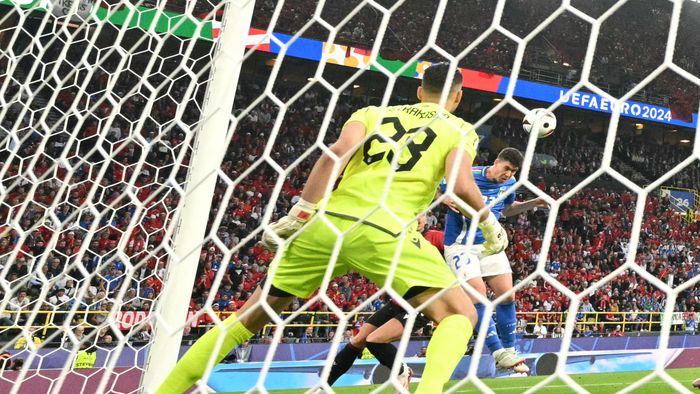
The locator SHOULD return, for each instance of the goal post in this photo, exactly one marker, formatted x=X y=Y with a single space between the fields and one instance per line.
x=208 y=150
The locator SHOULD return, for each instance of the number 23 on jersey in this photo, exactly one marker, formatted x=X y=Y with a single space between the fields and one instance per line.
x=376 y=148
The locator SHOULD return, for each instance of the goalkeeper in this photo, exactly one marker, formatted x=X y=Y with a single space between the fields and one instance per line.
x=383 y=188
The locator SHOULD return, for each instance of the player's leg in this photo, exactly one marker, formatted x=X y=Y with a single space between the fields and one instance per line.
x=504 y=358
x=420 y=273
x=492 y=342
x=383 y=327
x=497 y=273
x=347 y=355
x=505 y=311
x=379 y=343
x=387 y=333
x=456 y=318
x=465 y=264
x=192 y=366
x=298 y=272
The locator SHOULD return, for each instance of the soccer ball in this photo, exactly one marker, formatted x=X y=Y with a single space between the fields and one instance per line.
x=541 y=121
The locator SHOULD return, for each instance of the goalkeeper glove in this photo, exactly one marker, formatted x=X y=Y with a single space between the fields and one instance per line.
x=300 y=213
x=495 y=237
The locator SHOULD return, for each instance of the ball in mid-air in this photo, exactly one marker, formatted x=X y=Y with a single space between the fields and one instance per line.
x=540 y=121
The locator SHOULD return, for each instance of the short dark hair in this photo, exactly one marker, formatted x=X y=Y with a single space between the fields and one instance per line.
x=512 y=156
x=434 y=78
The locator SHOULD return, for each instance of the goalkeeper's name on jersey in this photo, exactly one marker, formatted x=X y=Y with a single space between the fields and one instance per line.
x=419 y=113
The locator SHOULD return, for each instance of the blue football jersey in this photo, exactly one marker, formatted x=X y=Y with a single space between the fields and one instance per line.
x=457 y=226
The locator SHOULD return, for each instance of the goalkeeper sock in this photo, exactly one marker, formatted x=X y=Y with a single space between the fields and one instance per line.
x=385 y=354
x=193 y=364
x=445 y=350
x=343 y=361
x=492 y=340
x=506 y=322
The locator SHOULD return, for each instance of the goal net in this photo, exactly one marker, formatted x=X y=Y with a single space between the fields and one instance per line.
x=138 y=171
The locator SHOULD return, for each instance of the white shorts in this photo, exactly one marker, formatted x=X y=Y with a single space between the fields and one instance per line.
x=468 y=262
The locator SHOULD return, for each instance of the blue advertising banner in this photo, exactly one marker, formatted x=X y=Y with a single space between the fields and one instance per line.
x=128 y=357
x=593 y=102
x=301 y=47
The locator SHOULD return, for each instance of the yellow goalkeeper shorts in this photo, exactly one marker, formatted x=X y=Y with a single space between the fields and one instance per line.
x=365 y=249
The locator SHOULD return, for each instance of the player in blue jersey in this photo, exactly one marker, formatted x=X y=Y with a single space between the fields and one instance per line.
x=469 y=263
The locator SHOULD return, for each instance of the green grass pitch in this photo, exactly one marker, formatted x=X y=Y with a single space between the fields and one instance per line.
x=594 y=383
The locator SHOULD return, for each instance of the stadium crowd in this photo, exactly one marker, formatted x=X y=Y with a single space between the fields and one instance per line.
x=622 y=60
x=590 y=241
x=655 y=160
x=57 y=252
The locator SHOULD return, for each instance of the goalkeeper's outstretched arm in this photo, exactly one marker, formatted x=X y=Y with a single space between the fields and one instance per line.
x=323 y=173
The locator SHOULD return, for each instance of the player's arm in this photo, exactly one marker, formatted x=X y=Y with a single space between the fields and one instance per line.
x=464 y=185
x=519 y=207
x=496 y=239
x=321 y=175
x=447 y=200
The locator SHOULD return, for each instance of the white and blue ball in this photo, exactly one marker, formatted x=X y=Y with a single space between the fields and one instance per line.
x=540 y=121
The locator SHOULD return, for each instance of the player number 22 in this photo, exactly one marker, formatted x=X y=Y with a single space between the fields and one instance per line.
x=415 y=149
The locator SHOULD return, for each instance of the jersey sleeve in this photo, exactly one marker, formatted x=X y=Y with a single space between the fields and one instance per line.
x=361 y=115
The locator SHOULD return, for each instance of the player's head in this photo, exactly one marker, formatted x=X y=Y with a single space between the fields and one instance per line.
x=434 y=80
x=506 y=164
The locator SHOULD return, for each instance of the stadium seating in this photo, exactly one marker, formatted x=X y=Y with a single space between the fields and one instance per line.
x=561 y=48
x=596 y=223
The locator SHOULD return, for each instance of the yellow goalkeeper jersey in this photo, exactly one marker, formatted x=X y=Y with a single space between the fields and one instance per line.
x=422 y=135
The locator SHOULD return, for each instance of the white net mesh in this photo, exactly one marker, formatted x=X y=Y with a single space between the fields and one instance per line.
x=99 y=110
x=97 y=121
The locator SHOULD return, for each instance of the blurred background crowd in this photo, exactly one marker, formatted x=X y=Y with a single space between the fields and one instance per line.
x=88 y=207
